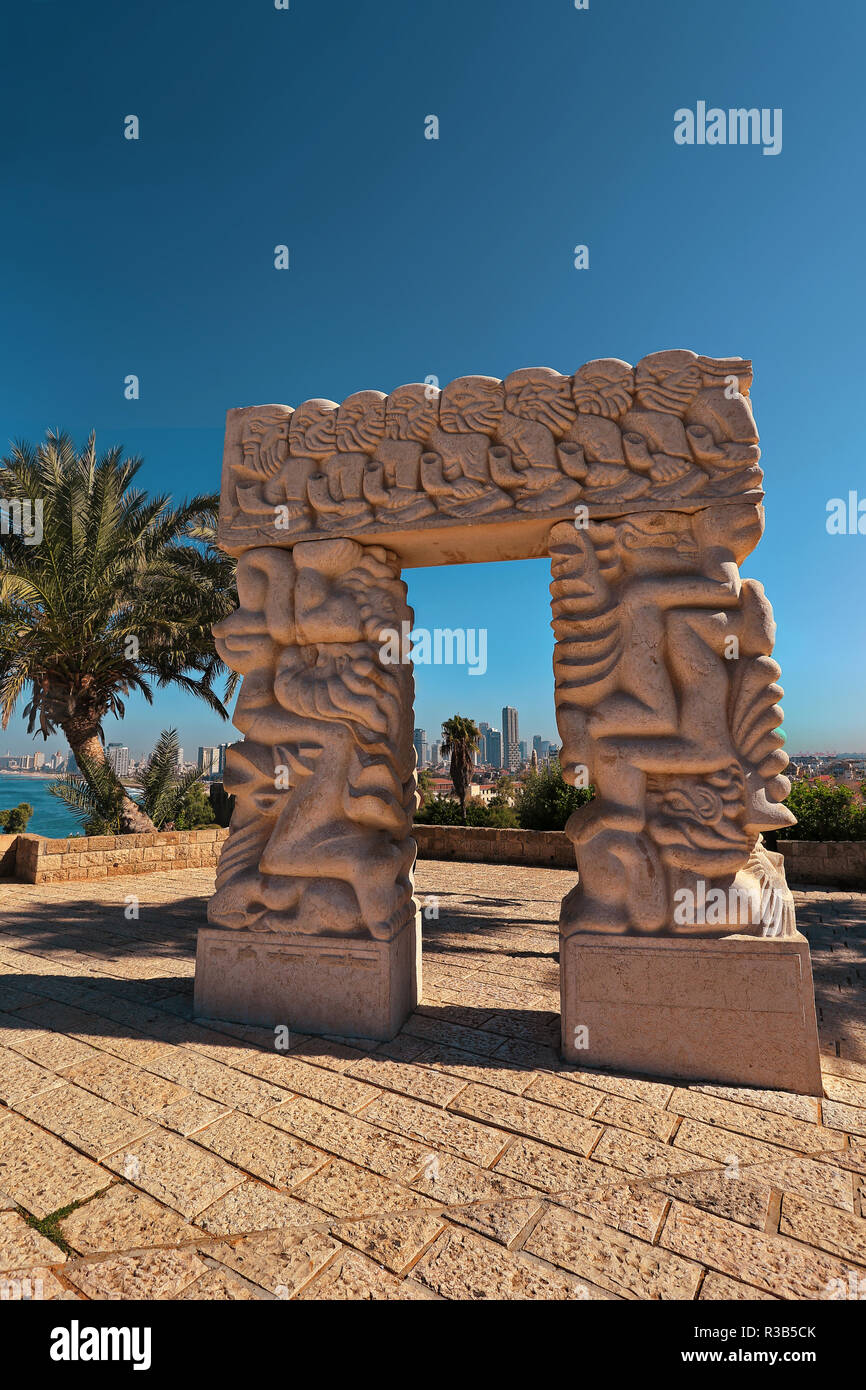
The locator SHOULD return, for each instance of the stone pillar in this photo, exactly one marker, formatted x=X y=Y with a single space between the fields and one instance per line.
x=313 y=924
x=679 y=949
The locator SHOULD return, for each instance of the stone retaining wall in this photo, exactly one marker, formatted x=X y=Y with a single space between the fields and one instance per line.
x=38 y=860
x=549 y=849
x=34 y=859
x=8 y=845
x=831 y=863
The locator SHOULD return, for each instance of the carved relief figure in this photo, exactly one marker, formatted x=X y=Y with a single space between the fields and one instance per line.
x=666 y=694
x=325 y=783
x=393 y=475
x=675 y=427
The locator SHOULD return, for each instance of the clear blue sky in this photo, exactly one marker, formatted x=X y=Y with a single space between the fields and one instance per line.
x=413 y=257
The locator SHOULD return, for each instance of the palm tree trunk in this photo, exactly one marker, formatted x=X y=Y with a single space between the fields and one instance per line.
x=87 y=748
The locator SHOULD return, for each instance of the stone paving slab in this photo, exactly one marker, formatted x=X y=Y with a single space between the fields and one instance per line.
x=462 y=1160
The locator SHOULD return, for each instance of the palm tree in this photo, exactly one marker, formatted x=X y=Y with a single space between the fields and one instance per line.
x=96 y=798
x=119 y=595
x=460 y=740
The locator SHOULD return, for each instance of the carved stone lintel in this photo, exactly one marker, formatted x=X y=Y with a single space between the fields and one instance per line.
x=428 y=473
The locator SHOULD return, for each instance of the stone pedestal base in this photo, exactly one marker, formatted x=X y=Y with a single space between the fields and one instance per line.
x=738 y=1011
x=310 y=984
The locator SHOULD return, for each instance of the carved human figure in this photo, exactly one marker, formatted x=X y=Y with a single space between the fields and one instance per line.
x=336 y=490
x=456 y=467
x=666 y=694
x=392 y=480
x=265 y=488
x=325 y=783
x=539 y=471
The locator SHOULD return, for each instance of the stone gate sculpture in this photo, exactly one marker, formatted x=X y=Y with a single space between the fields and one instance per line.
x=679 y=952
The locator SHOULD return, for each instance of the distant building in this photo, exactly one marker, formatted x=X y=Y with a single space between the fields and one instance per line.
x=494 y=748
x=483 y=750
x=211 y=760
x=118 y=756
x=510 y=738
x=419 y=738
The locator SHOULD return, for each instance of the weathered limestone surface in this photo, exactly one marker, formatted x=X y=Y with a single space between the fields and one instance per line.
x=479 y=470
x=738 y=1009
x=317 y=870
x=643 y=485
x=667 y=703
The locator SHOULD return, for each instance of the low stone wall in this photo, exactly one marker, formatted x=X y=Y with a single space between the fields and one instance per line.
x=548 y=849
x=8 y=845
x=34 y=859
x=831 y=863
x=38 y=860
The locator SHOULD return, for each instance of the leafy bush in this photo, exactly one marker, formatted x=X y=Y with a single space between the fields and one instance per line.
x=425 y=788
x=196 y=810
x=824 y=812
x=497 y=813
x=439 y=810
x=14 y=821
x=546 y=801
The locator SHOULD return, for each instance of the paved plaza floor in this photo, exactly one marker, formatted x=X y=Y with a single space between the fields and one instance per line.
x=144 y=1155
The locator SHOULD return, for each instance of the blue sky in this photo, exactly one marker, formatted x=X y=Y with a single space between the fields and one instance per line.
x=412 y=257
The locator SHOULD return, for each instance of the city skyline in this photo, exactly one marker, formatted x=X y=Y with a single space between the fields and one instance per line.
x=485 y=286
x=142 y=750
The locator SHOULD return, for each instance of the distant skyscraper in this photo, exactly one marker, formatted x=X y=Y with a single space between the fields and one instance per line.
x=524 y=752
x=118 y=756
x=419 y=738
x=537 y=744
x=211 y=760
x=179 y=758
x=483 y=751
x=494 y=748
x=510 y=738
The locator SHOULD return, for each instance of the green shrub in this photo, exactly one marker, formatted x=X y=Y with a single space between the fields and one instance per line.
x=439 y=810
x=824 y=812
x=196 y=810
x=496 y=813
x=546 y=801
x=14 y=821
